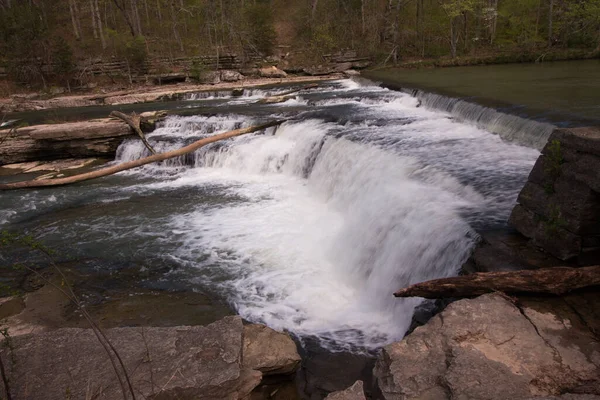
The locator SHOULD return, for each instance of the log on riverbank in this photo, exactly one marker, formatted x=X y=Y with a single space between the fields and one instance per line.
x=137 y=163
x=556 y=281
x=96 y=138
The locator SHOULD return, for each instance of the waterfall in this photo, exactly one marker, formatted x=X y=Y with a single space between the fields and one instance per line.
x=524 y=131
x=323 y=218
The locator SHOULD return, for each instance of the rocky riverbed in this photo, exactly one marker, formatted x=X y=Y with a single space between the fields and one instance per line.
x=489 y=347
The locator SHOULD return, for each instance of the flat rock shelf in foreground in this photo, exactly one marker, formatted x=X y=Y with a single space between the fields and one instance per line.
x=185 y=362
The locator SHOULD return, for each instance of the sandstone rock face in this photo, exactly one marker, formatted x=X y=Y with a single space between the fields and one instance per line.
x=163 y=363
x=559 y=206
x=231 y=76
x=272 y=72
x=354 y=392
x=70 y=140
x=210 y=77
x=488 y=348
x=269 y=351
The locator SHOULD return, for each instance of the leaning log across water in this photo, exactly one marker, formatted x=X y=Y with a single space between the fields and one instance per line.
x=134 y=121
x=137 y=163
x=557 y=281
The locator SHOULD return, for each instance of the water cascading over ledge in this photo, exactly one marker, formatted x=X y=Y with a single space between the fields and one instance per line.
x=524 y=131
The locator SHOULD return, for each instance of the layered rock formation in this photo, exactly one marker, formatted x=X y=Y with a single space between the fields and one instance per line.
x=559 y=207
x=492 y=348
x=96 y=138
x=187 y=362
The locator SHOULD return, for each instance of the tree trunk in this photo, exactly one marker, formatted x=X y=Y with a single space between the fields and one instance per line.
x=74 y=19
x=420 y=33
x=93 y=14
x=123 y=9
x=134 y=122
x=158 y=11
x=537 y=19
x=453 y=37
x=550 y=12
x=99 y=23
x=362 y=16
x=174 y=26
x=557 y=281
x=137 y=163
x=494 y=23
x=135 y=17
x=313 y=10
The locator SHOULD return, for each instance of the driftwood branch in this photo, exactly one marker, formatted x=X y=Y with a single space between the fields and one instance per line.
x=134 y=121
x=137 y=163
x=285 y=96
x=556 y=281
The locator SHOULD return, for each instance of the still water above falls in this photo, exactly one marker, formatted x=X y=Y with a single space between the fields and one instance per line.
x=309 y=227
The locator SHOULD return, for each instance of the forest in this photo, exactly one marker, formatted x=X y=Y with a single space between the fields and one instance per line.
x=41 y=39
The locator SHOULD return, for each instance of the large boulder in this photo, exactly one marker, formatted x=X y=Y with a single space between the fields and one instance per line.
x=272 y=72
x=210 y=77
x=269 y=351
x=559 y=206
x=490 y=348
x=95 y=138
x=231 y=76
x=354 y=392
x=199 y=362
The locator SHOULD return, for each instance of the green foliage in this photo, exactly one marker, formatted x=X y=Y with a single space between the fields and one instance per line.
x=197 y=69
x=322 y=39
x=132 y=50
x=261 y=29
x=64 y=65
x=136 y=54
x=23 y=41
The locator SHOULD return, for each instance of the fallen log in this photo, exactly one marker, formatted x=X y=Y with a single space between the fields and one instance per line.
x=556 y=281
x=133 y=121
x=285 y=96
x=137 y=163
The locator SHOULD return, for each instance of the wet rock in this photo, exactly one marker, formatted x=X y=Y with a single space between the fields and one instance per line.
x=237 y=92
x=163 y=363
x=10 y=306
x=490 y=348
x=272 y=72
x=354 y=392
x=350 y=73
x=559 y=206
x=231 y=76
x=96 y=138
x=507 y=250
x=269 y=351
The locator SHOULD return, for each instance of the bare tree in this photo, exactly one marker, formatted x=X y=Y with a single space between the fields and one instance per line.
x=98 y=18
x=74 y=18
x=94 y=22
x=120 y=4
x=550 y=12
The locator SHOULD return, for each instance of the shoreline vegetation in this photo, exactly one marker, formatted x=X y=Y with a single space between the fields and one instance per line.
x=70 y=44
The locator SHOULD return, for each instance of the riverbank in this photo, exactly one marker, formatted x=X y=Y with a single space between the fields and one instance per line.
x=495 y=58
x=142 y=94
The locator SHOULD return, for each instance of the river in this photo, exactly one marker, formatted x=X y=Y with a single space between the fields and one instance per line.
x=309 y=227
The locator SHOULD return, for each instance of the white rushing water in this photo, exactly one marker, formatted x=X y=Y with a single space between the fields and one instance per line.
x=335 y=214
